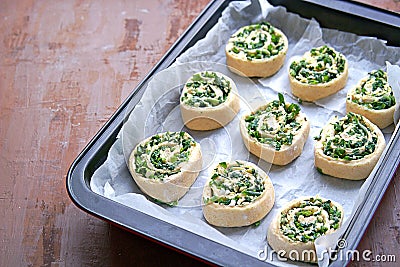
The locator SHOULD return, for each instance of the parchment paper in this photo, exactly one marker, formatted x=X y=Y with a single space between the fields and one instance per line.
x=158 y=111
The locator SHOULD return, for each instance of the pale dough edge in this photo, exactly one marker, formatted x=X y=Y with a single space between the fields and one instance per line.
x=381 y=118
x=257 y=68
x=204 y=119
x=279 y=242
x=313 y=92
x=354 y=169
x=225 y=216
x=268 y=153
x=176 y=186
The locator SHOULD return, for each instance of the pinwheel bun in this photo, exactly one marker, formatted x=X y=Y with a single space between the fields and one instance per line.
x=257 y=50
x=209 y=100
x=373 y=98
x=321 y=72
x=165 y=165
x=281 y=138
x=316 y=216
x=349 y=147
x=237 y=194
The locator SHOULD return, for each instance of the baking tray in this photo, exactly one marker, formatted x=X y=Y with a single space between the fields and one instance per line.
x=343 y=15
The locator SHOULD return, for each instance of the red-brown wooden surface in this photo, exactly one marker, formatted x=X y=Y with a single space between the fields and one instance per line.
x=65 y=67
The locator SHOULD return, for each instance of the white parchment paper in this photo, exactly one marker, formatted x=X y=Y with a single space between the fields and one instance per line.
x=158 y=111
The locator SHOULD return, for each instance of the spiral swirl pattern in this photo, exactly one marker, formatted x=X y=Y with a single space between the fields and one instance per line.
x=348 y=138
x=275 y=123
x=206 y=89
x=235 y=184
x=162 y=155
x=319 y=65
x=373 y=92
x=256 y=42
x=309 y=219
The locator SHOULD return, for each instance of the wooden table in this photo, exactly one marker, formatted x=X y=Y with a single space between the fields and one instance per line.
x=65 y=68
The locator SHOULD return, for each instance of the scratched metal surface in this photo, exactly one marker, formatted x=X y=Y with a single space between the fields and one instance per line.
x=65 y=67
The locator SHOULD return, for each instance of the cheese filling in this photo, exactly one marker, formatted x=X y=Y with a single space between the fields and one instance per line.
x=374 y=92
x=205 y=89
x=310 y=219
x=256 y=42
x=319 y=65
x=348 y=138
x=275 y=124
x=235 y=184
x=162 y=155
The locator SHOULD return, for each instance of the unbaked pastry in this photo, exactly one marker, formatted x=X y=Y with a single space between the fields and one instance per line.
x=165 y=165
x=257 y=50
x=299 y=223
x=275 y=132
x=209 y=100
x=349 y=147
x=321 y=72
x=237 y=194
x=373 y=98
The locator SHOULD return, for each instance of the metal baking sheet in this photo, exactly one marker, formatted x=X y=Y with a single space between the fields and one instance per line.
x=331 y=14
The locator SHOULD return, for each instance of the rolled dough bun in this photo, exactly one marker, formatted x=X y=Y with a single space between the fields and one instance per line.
x=256 y=50
x=373 y=98
x=349 y=147
x=237 y=194
x=275 y=132
x=321 y=72
x=165 y=165
x=209 y=100
x=298 y=224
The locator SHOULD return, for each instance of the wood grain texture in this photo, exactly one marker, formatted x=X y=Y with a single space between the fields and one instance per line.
x=65 y=67
x=389 y=5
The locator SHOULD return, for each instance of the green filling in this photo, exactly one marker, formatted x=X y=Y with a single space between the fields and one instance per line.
x=170 y=204
x=286 y=116
x=375 y=93
x=206 y=89
x=313 y=225
x=360 y=142
x=322 y=72
x=160 y=166
x=256 y=224
x=259 y=47
x=320 y=170
x=235 y=184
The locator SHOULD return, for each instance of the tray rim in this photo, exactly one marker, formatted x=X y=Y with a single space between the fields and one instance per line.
x=79 y=191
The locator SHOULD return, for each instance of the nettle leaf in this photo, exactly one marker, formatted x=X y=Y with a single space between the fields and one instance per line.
x=281 y=99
